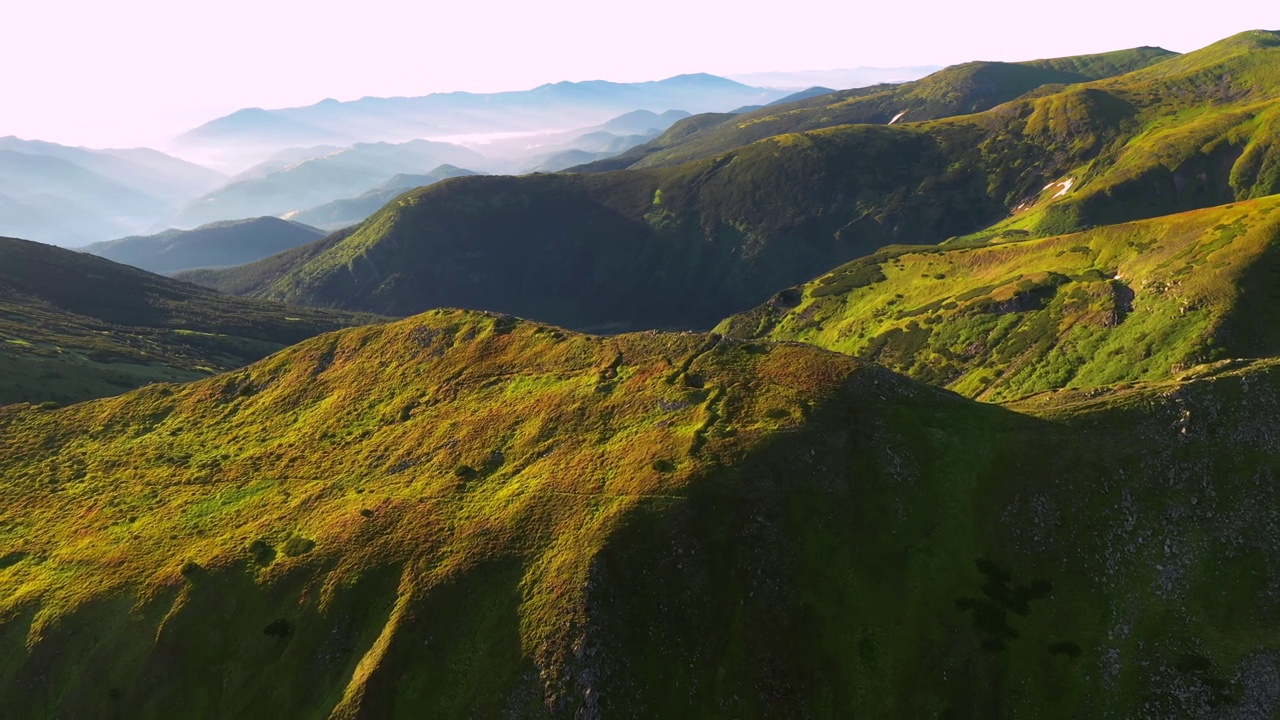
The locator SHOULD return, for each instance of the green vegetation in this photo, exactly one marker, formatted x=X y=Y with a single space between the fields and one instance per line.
x=74 y=327
x=733 y=229
x=666 y=524
x=958 y=90
x=806 y=513
x=1139 y=301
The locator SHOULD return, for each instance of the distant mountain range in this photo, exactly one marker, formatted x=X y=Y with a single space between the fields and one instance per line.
x=220 y=244
x=318 y=180
x=73 y=196
x=250 y=135
x=840 y=79
x=957 y=90
x=342 y=213
x=722 y=218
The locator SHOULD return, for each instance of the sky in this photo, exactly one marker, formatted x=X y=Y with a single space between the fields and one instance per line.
x=138 y=72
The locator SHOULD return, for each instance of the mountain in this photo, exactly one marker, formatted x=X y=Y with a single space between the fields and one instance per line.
x=586 y=148
x=813 y=92
x=840 y=78
x=284 y=159
x=343 y=213
x=642 y=121
x=957 y=90
x=557 y=151
x=461 y=514
x=253 y=277
x=74 y=326
x=221 y=244
x=253 y=133
x=685 y=246
x=73 y=196
x=1140 y=301
x=142 y=170
x=323 y=179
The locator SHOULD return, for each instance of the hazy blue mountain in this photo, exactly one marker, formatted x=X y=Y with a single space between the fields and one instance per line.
x=283 y=159
x=55 y=219
x=599 y=145
x=255 y=133
x=803 y=95
x=641 y=121
x=72 y=196
x=140 y=169
x=214 y=245
x=349 y=211
x=842 y=79
x=569 y=158
x=51 y=183
x=320 y=180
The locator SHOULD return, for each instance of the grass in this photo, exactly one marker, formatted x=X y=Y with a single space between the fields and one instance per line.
x=1139 y=301
x=736 y=227
x=635 y=503
x=76 y=327
x=463 y=514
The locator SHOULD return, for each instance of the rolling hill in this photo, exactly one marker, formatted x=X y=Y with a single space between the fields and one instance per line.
x=463 y=514
x=957 y=90
x=234 y=242
x=685 y=246
x=74 y=326
x=1147 y=300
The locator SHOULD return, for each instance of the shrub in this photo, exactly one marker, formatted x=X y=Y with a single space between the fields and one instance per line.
x=262 y=552
x=278 y=628
x=298 y=545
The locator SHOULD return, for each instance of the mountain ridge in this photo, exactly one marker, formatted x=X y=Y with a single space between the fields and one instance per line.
x=715 y=484
x=219 y=244
x=74 y=326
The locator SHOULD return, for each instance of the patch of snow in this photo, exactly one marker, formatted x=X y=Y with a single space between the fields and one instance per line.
x=897 y=117
x=1065 y=185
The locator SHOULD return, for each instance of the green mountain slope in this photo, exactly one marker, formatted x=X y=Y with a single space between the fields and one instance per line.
x=234 y=242
x=254 y=277
x=460 y=515
x=74 y=326
x=957 y=90
x=1140 y=301
x=685 y=246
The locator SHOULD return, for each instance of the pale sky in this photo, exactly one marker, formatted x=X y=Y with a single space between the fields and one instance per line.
x=135 y=72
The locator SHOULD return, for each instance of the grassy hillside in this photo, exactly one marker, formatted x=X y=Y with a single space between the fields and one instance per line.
x=234 y=242
x=957 y=90
x=684 y=246
x=1138 y=301
x=460 y=514
x=74 y=326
